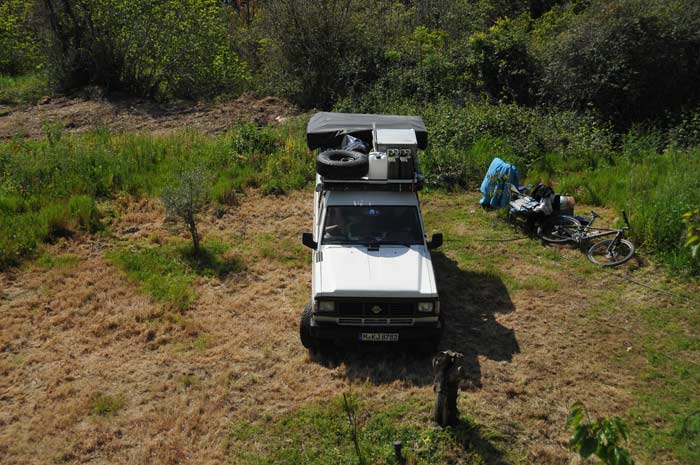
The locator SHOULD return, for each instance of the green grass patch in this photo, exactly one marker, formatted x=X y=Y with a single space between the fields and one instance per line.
x=105 y=405
x=666 y=417
x=49 y=187
x=49 y=261
x=320 y=434
x=26 y=89
x=167 y=272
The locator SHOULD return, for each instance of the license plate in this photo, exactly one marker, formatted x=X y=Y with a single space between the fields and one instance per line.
x=379 y=337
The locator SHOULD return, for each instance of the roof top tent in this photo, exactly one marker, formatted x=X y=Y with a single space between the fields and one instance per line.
x=390 y=164
x=326 y=130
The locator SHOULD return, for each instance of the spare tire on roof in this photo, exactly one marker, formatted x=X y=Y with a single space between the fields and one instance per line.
x=342 y=164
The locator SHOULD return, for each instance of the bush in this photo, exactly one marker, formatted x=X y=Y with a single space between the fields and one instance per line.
x=20 y=51
x=321 y=51
x=500 y=63
x=148 y=48
x=628 y=60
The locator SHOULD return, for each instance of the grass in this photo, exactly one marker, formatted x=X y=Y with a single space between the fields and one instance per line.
x=319 y=433
x=669 y=423
x=27 y=89
x=105 y=405
x=49 y=261
x=167 y=272
x=49 y=187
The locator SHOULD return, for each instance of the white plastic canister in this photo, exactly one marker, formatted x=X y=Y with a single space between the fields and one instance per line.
x=378 y=165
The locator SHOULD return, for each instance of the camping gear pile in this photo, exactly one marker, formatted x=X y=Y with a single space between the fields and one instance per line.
x=501 y=187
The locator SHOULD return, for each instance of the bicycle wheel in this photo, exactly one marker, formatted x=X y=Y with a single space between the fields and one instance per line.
x=559 y=229
x=619 y=254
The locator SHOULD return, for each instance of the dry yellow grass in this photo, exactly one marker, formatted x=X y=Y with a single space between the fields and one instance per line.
x=70 y=333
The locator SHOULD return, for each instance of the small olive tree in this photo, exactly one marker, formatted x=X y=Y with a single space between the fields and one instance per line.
x=185 y=196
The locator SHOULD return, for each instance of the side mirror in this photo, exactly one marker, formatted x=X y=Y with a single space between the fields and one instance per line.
x=435 y=242
x=308 y=240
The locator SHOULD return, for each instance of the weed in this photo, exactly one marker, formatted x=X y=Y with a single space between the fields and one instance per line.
x=105 y=405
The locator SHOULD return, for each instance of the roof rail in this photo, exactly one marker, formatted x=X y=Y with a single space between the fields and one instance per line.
x=397 y=185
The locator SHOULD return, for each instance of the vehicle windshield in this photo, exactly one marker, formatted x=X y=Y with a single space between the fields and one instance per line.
x=393 y=224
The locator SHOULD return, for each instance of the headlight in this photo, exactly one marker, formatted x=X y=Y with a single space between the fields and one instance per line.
x=326 y=306
x=425 y=307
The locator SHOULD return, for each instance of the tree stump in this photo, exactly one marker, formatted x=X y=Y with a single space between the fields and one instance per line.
x=447 y=372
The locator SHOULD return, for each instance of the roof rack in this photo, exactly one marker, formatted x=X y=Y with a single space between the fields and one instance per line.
x=396 y=185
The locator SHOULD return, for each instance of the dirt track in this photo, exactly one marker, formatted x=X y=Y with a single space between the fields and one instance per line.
x=80 y=115
x=71 y=333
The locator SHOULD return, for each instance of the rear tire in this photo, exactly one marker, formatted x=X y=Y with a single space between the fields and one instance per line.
x=342 y=164
x=307 y=340
x=559 y=230
x=599 y=254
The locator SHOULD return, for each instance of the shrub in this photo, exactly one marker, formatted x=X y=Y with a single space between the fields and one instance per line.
x=321 y=50
x=628 y=60
x=20 y=50
x=602 y=437
x=149 y=48
x=500 y=63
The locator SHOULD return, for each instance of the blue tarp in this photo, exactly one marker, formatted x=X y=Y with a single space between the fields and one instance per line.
x=494 y=187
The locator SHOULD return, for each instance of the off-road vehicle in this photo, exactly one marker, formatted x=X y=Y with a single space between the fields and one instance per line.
x=372 y=273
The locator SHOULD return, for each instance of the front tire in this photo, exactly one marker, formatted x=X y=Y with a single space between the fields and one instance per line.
x=307 y=340
x=619 y=254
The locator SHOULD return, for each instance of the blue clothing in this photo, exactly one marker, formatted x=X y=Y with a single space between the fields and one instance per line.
x=494 y=187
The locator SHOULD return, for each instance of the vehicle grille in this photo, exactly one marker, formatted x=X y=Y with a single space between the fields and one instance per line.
x=376 y=309
x=375 y=321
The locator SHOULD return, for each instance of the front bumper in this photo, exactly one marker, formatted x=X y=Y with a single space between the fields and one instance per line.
x=419 y=331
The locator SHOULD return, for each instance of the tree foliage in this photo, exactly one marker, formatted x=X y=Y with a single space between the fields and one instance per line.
x=148 y=47
x=20 y=50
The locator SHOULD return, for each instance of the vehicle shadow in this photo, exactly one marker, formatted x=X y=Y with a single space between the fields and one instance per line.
x=469 y=302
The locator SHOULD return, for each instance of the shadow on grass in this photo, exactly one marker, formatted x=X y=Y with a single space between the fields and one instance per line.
x=210 y=260
x=472 y=438
x=469 y=302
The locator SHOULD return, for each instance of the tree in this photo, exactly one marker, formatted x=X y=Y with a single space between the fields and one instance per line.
x=185 y=197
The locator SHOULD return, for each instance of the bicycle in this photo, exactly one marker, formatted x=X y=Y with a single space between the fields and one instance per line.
x=608 y=252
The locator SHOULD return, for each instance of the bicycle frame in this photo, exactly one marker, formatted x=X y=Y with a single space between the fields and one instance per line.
x=585 y=234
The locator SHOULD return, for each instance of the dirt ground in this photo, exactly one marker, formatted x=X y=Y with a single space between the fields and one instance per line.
x=78 y=115
x=71 y=333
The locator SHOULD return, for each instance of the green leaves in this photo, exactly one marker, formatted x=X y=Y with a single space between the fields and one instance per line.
x=692 y=220
x=602 y=437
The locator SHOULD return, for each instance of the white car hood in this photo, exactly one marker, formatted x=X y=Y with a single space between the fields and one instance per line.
x=391 y=271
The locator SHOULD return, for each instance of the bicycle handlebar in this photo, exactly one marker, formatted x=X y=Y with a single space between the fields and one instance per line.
x=624 y=215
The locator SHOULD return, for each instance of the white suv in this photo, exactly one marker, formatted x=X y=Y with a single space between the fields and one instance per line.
x=372 y=274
